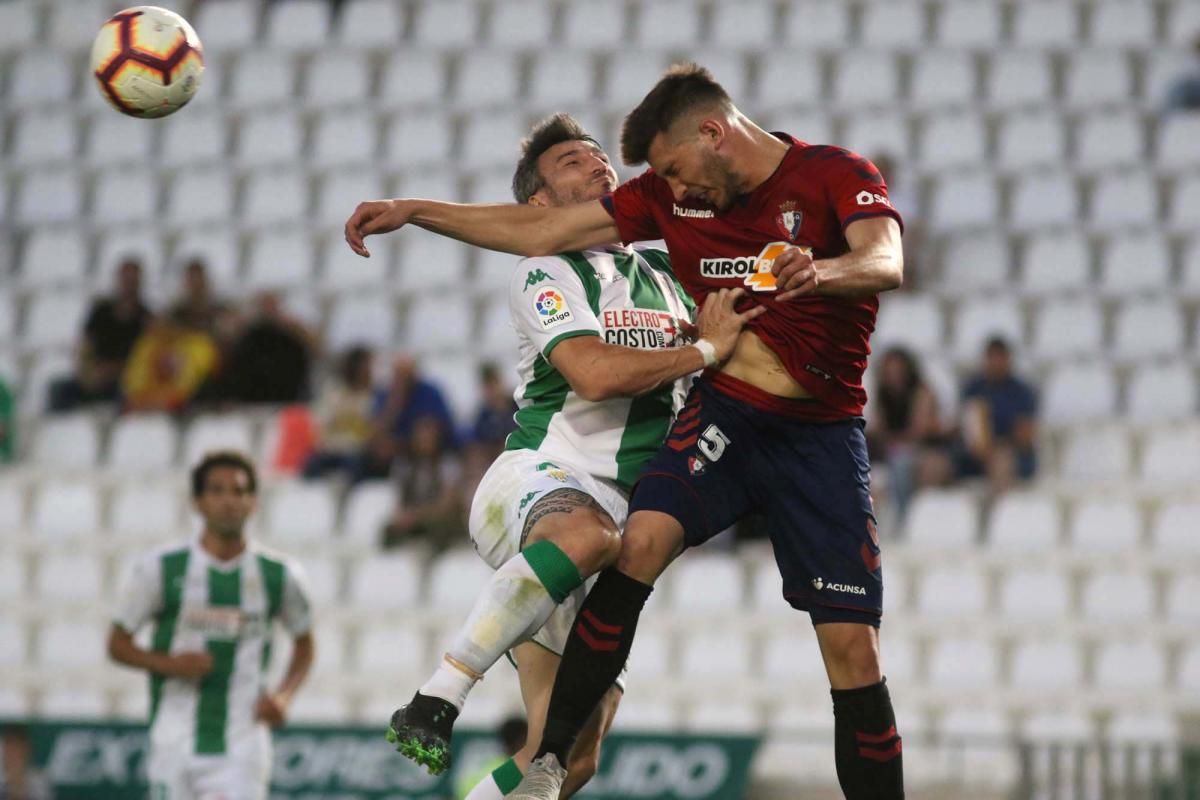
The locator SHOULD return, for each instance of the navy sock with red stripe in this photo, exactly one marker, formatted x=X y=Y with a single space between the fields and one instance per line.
x=593 y=657
x=867 y=747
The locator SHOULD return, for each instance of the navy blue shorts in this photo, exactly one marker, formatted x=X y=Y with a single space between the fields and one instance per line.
x=725 y=459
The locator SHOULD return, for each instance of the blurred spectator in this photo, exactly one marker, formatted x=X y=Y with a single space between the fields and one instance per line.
x=112 y=327
x=904 y=198
x=1184 y=94
x=19 y=780
x=430 y=504
x=168 y=366
x=904 y=430
x=270 y=359
x=196 y=307
x=396 y=410
x=343 y=416
x=999 y=427
x=8 y=423
x=494 y=420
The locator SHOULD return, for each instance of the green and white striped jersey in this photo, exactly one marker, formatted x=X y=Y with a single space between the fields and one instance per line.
x=626 y=295
x=198 y=603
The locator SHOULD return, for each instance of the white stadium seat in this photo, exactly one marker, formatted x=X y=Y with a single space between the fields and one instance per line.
x=14 y=643
x=1188 y=672
x=1020 y=78
x=562 y=78
x=67 y=646
x=392 y=650
x=413 y=78
x=1121 y=23
x=898 y=23
x=978 y=739
x=951 y=141
x=707 y=582
x=969 y=23
x=74 y=702
x=424 y=330
x=111 y=140
x=39 y=78
x=1163 y=392
x=226 y=24
x=521 y=24
x=125 y=197
x=978 y=319
x=201 y=196
x=262 y=78
x=1046 y=666
x=967 y=587
x=370 y=23
x=1171 y=457
x=198 y=138
x=342 y=269
x=1023 y=522
x=715 y=655
x=451 y=23
x=271 y=137
x=593 y=25
x=415 y=140
x=18 y=23
x=743 y=25
x=1043 y=199
x=386 y=582
x=963 y=664
x=1031 y=139
x=455 y=579
x=1148 y=328
x=66 y=510
x=69 y=579
x=793 y=655
x=909 y=319
x=73 y=26
x=722 y=715
x=1098 y=77
x=1097 y=453
x=665 y=24
x=487 y=78
x=1034 y=595
x=1185 y=204
x=1179 y=141
x=144 y=511
x=1110 y=140
x=53 y=257
x=53 y=320
x=1135 y=263
x=1173 y=528
x=817 y=23
x=1068 y=328
x=67 y=443
x=49 y=196
x=1124 y=199
x=1055 y=262
x=344 y=139
x=297 y=24
x=865 y=77
x=976 y=262
x=790 y=79
x=1045 y=23
x=964 y=200
x=275 y=197
x=1130 y=665
x=1076 y=393
x=876 y=131
x=361 y=319
x=145 y=442
x=1105 y=525
x=211 y=432
x=491 y=140
x=301 y=514
x=1115 y=597
x=1180 y=602
x=280 y=259
x=44 y=138
x=943 y=520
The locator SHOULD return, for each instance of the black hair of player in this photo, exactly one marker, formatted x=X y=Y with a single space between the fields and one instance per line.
x=997 y=344
x=222 y=458
x=555 y=129
x=683 y=88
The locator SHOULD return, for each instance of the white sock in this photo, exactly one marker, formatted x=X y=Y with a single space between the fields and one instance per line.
x=486 y=789
x=513 y=607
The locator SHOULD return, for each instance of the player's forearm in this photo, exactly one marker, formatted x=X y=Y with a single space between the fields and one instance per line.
x=861 y=272
x=123 y=650
x=619 y=371
x=521 y=229
x=298 y=668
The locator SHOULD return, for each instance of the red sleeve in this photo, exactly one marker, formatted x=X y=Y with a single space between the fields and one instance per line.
x=632 y=208
x=857 y=190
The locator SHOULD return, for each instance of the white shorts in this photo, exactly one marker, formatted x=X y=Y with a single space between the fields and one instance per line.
x=508 y=492
x=243 y=773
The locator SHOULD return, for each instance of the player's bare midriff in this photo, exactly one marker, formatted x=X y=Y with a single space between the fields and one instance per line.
x=756 y=364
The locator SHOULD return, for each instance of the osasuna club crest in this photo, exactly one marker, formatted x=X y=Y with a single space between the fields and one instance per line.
x=790 y=219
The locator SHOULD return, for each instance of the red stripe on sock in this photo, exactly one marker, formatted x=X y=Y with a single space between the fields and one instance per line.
x=871 y=738
x=881 y=755
x=611 y=630
x=600 y=646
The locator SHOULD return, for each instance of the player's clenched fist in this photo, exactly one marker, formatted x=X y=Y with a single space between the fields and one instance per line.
x=373 y=216
x=720 y=323
x=795 y=273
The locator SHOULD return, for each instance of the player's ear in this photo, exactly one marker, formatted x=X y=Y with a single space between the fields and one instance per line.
x=712 y=131
x=539 y=198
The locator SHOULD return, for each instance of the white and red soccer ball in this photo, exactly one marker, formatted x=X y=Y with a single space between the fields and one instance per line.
x=147 y=61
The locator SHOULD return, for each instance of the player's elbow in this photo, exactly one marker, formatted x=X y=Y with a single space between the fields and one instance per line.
x=593 y=388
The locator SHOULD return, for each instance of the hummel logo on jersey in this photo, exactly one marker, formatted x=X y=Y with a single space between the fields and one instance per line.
x=534 y=278
x=844 y=588
x=866 y=198
x=697 y=213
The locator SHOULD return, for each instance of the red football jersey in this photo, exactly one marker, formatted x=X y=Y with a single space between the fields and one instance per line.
x=809 y=200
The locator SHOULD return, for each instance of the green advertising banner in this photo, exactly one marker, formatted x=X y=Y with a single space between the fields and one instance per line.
x=88 y=761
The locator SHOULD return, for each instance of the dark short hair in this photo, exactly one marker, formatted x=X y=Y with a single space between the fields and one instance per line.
x=222 y=458
x=683 y=88
x=996 y=343
x=552 y=130
x=351 y=361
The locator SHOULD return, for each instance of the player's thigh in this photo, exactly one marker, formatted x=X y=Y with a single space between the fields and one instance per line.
x=815 y=488
x=578 y=525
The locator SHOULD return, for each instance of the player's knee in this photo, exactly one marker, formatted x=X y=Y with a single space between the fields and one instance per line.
x=646 y=551
x=583 y=765
x=854 y=662
x=589 y=538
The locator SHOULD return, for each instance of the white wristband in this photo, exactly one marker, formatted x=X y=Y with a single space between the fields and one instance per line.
x=708 y=350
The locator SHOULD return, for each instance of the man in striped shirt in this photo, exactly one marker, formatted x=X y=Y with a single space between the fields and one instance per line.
x=213 y=602
x=604 y=364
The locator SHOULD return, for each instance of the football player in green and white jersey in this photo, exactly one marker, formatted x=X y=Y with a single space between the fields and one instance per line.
x=213 y=602
x=604 y=365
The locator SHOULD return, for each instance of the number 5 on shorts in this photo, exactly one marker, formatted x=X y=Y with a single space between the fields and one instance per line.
x=713 y=443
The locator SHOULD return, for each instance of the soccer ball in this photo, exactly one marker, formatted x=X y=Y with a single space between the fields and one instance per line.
x=147 y=61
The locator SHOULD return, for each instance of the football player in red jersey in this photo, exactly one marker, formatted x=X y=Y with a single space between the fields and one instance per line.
x=776 y=429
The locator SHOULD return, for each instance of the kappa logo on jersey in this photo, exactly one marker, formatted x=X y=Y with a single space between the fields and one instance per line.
x=552 y=308
x=866 y=198
x=790 y=220
x=534 y=278
x=642 y=328
x=755 y=271
x=526 y=500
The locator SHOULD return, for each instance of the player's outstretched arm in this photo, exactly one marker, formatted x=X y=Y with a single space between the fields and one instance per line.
x=186 y=666
x=509 y=227
x=874 y=264
x=597 y=370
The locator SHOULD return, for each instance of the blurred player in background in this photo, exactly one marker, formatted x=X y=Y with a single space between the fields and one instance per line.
x=777 y=430
x=602 y=355
x=213 y=602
